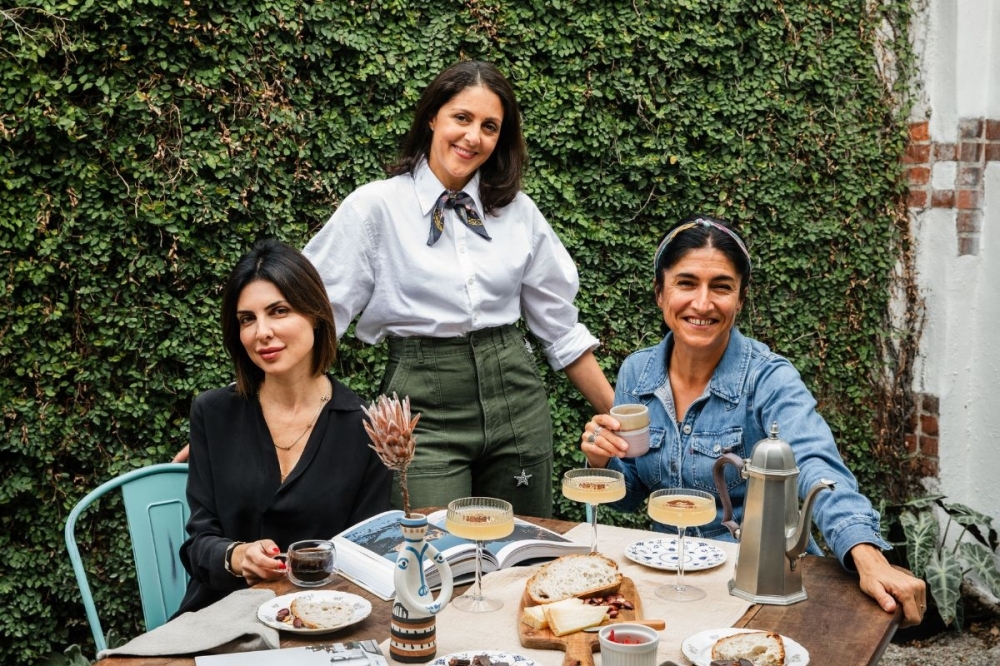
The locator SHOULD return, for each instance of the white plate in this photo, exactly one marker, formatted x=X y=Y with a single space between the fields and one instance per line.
x=359 y=606
x=512 y=659
x=698 y=648
x=662 y=554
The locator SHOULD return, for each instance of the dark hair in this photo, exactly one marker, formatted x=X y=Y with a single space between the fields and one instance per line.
x=705 y=234
x=500 y=175
x=295 y=277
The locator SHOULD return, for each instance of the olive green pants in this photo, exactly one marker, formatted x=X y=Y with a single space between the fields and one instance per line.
x=485 y=428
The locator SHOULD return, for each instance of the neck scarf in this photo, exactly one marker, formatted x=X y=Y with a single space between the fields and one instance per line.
x=464 y=207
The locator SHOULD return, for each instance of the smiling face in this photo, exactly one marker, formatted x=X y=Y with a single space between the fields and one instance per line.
x=465 y=132
x=276 y=337
x=700 y=299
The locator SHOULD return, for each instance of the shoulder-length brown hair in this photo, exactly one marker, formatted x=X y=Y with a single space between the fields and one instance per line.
x=500 y=175
x=295 y=277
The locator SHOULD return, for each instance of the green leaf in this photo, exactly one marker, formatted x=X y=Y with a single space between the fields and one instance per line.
x=944 y=578
x=984 y=562
x=921 y=531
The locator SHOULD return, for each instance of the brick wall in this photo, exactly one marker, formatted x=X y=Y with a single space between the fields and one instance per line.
x=950 y=175
x=922 y=434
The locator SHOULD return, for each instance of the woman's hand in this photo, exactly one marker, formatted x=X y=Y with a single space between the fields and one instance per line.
x=599 y=441
x=889 y=585
x=255 y=561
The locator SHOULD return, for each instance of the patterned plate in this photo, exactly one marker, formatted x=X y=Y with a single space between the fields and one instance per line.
x=511 y=659
x=662 y=554
x=698 y=648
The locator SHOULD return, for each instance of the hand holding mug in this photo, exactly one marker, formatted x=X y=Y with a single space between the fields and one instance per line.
x=310 y=562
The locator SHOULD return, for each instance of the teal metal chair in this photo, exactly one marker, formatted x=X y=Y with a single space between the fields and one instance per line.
x=157 y=513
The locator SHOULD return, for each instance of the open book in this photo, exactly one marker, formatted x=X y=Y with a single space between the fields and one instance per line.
x=351 y=653
x=366 y=552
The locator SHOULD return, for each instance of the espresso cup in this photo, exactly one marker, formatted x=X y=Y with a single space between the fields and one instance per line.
x=624 y=644
x=311 y=562
x=634 y=420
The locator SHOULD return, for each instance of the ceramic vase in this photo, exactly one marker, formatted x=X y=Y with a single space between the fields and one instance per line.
x=413 y=638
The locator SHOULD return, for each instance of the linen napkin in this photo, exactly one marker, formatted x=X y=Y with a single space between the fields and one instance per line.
x=228 y=625
x=458 y=631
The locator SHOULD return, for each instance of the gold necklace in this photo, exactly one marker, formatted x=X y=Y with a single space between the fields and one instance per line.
x=322 y=402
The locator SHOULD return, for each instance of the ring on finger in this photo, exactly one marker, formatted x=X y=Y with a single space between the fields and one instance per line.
x=591 y=438
x=597 y=431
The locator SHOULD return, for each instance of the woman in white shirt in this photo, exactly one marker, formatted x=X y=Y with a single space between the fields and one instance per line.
x=443 y=259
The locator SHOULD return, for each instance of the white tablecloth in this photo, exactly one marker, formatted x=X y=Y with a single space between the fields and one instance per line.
x=458 y=631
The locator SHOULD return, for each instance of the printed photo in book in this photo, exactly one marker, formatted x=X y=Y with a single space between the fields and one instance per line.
x=366 y=552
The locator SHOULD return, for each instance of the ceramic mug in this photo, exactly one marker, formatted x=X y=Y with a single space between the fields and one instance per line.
x=624 y=644
x=310 y=562
x=634 y=419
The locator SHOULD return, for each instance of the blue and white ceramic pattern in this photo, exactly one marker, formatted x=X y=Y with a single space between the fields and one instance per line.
x=662 y=554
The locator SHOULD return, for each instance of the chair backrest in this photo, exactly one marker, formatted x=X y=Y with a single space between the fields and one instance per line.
x=157 y=512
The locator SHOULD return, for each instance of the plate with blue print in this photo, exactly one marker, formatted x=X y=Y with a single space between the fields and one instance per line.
x=663 y=554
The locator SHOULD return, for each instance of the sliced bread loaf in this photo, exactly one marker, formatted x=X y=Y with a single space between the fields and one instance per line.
x=574 y=576
x=758 y=647
x=321 y=613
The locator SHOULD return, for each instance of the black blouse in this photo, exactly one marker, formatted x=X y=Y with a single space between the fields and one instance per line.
x=235 y=491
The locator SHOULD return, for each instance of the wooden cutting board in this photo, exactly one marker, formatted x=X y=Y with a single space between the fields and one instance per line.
x=579 y=646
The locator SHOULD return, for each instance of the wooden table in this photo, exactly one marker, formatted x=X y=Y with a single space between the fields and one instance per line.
x=837 y=624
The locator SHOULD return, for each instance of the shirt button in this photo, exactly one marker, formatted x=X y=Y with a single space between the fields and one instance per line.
x=687 y=429
x=461 y=248
x=471 y=280
x=716 y=448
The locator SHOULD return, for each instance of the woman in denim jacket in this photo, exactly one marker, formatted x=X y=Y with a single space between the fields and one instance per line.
x=710 y=389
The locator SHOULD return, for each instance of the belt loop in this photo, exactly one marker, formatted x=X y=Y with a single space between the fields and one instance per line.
x=418 y=343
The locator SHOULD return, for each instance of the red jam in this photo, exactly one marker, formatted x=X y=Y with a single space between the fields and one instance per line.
x=626 y=639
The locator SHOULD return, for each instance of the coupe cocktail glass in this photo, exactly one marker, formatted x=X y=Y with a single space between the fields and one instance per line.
x=682 y=508
x=479 y=519
x=594 y=487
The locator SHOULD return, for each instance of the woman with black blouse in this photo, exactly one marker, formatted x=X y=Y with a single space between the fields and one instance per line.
x=280 y=455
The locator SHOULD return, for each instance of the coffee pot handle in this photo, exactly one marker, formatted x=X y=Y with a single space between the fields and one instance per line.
x=719 y=475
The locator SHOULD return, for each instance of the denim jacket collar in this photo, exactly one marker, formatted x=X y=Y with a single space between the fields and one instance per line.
x=727 y=381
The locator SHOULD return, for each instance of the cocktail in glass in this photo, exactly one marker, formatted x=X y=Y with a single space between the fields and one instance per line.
x=479 y=519
x=594 y=487
x=682 y=508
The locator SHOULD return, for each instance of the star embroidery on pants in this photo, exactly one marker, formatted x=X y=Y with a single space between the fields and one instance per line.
x=522 y=480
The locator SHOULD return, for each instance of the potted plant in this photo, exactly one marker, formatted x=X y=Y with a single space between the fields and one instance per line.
x=944 y=558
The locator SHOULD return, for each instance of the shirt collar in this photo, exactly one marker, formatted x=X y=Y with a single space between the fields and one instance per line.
x=727 y=381
x=429 y=188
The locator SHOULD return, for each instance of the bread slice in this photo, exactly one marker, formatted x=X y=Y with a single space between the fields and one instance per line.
x=321 y=613
x=574 y=576
x=568 y=619
x=760 y=648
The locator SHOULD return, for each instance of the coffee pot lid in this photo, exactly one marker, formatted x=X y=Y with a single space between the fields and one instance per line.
x=773 y=454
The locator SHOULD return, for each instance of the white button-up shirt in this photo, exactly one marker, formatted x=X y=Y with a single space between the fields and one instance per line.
x=374 y=260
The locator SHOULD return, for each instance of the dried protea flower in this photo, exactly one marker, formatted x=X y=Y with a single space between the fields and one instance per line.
x=391 y=431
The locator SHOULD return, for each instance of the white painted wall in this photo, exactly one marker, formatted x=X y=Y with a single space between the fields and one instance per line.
x=958 y=48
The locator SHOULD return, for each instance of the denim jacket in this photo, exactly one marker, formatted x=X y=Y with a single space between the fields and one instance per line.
x=751 y=388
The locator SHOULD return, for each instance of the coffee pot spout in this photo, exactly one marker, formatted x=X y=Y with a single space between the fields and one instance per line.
x=796 y=542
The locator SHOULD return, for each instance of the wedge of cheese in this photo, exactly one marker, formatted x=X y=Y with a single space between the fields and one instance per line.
x=564 y=621
x=534 y=616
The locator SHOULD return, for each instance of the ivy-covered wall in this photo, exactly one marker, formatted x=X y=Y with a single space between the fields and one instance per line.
x=145 y=144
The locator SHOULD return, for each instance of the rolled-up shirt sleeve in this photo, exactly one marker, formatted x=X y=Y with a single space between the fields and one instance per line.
x=550 y=286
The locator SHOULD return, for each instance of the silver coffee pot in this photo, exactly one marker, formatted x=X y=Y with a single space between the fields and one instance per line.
x=775 y=532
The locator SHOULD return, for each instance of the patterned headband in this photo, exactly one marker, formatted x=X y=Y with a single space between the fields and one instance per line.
x=705 y=223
